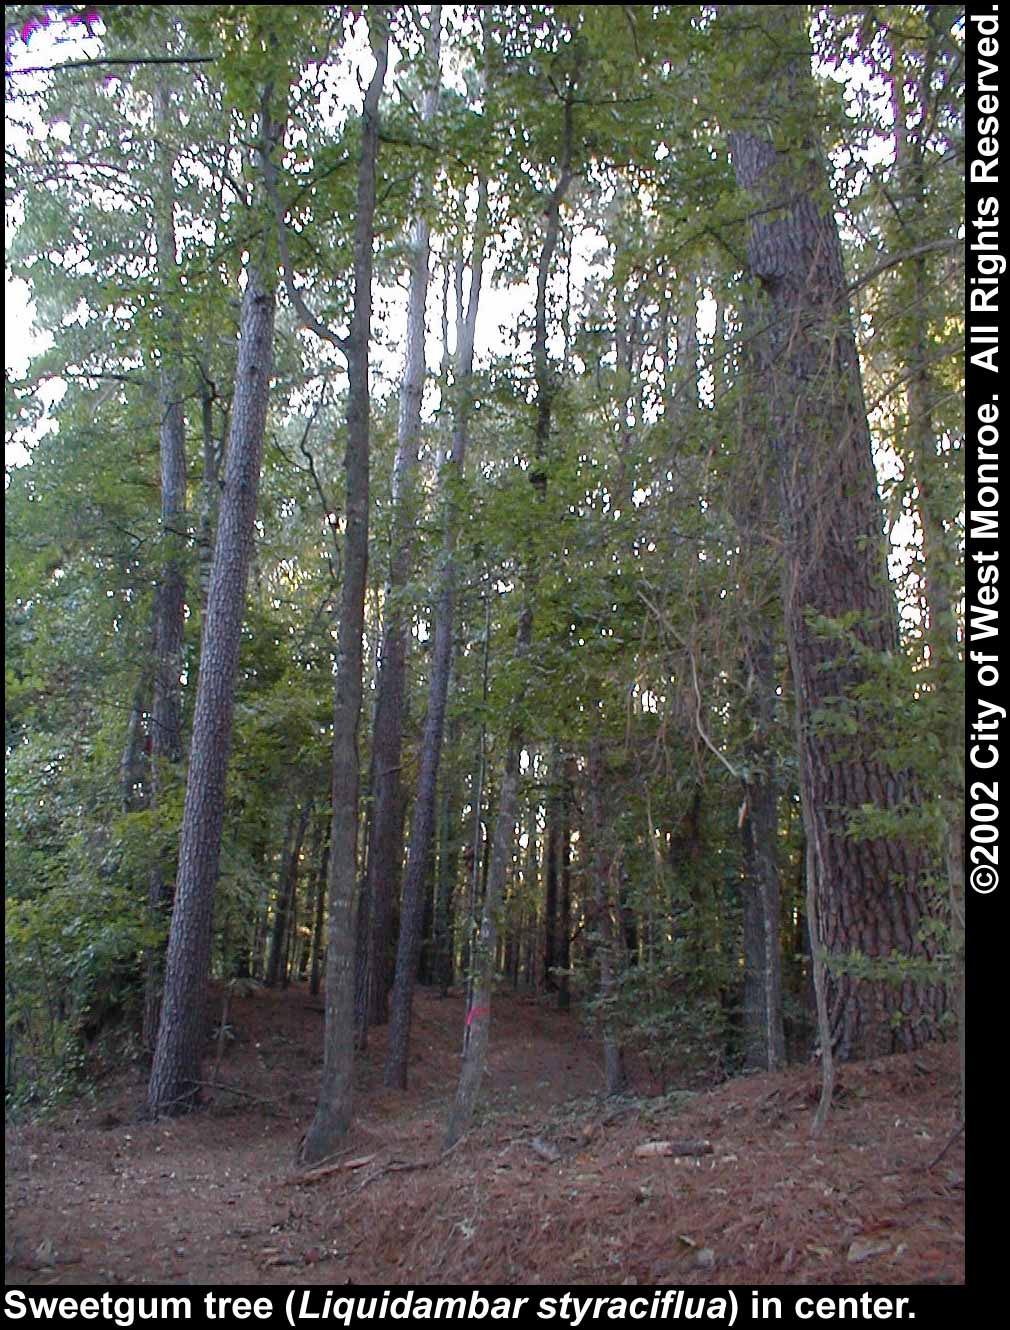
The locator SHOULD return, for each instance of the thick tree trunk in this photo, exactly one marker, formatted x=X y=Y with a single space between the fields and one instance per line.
x=871 y=893
x=333 y=1112
x=176 y=1072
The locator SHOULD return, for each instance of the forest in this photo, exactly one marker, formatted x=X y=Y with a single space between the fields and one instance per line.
x=485 y=522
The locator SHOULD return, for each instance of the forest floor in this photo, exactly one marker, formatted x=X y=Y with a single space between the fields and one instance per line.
x=552 y=1186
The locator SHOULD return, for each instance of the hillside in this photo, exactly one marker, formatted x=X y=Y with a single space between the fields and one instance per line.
x=548 y=1188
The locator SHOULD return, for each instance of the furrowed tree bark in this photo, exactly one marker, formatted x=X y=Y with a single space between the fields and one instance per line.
x=871 y=893
x=423 y=818
x=333 y=1112
x=175 y=1075
x=385 y=849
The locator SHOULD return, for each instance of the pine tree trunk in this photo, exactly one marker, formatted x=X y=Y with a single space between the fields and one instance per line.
x=871 y=894
x=176 y=1071
x=333 y=1112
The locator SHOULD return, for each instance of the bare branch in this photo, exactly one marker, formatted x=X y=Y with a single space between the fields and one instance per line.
x=112 y=60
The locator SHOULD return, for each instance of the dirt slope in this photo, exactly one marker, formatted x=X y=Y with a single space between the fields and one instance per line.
x=547 y=1189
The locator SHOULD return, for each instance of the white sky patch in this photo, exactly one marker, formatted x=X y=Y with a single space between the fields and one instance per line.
x=23 y=337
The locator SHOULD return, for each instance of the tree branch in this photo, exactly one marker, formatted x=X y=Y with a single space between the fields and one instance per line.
x=927 y=247
x=112 y=60
x=308 y=319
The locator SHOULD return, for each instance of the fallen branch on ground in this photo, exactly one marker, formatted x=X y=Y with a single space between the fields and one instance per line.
x=957 y=1132
x=243 y=1094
